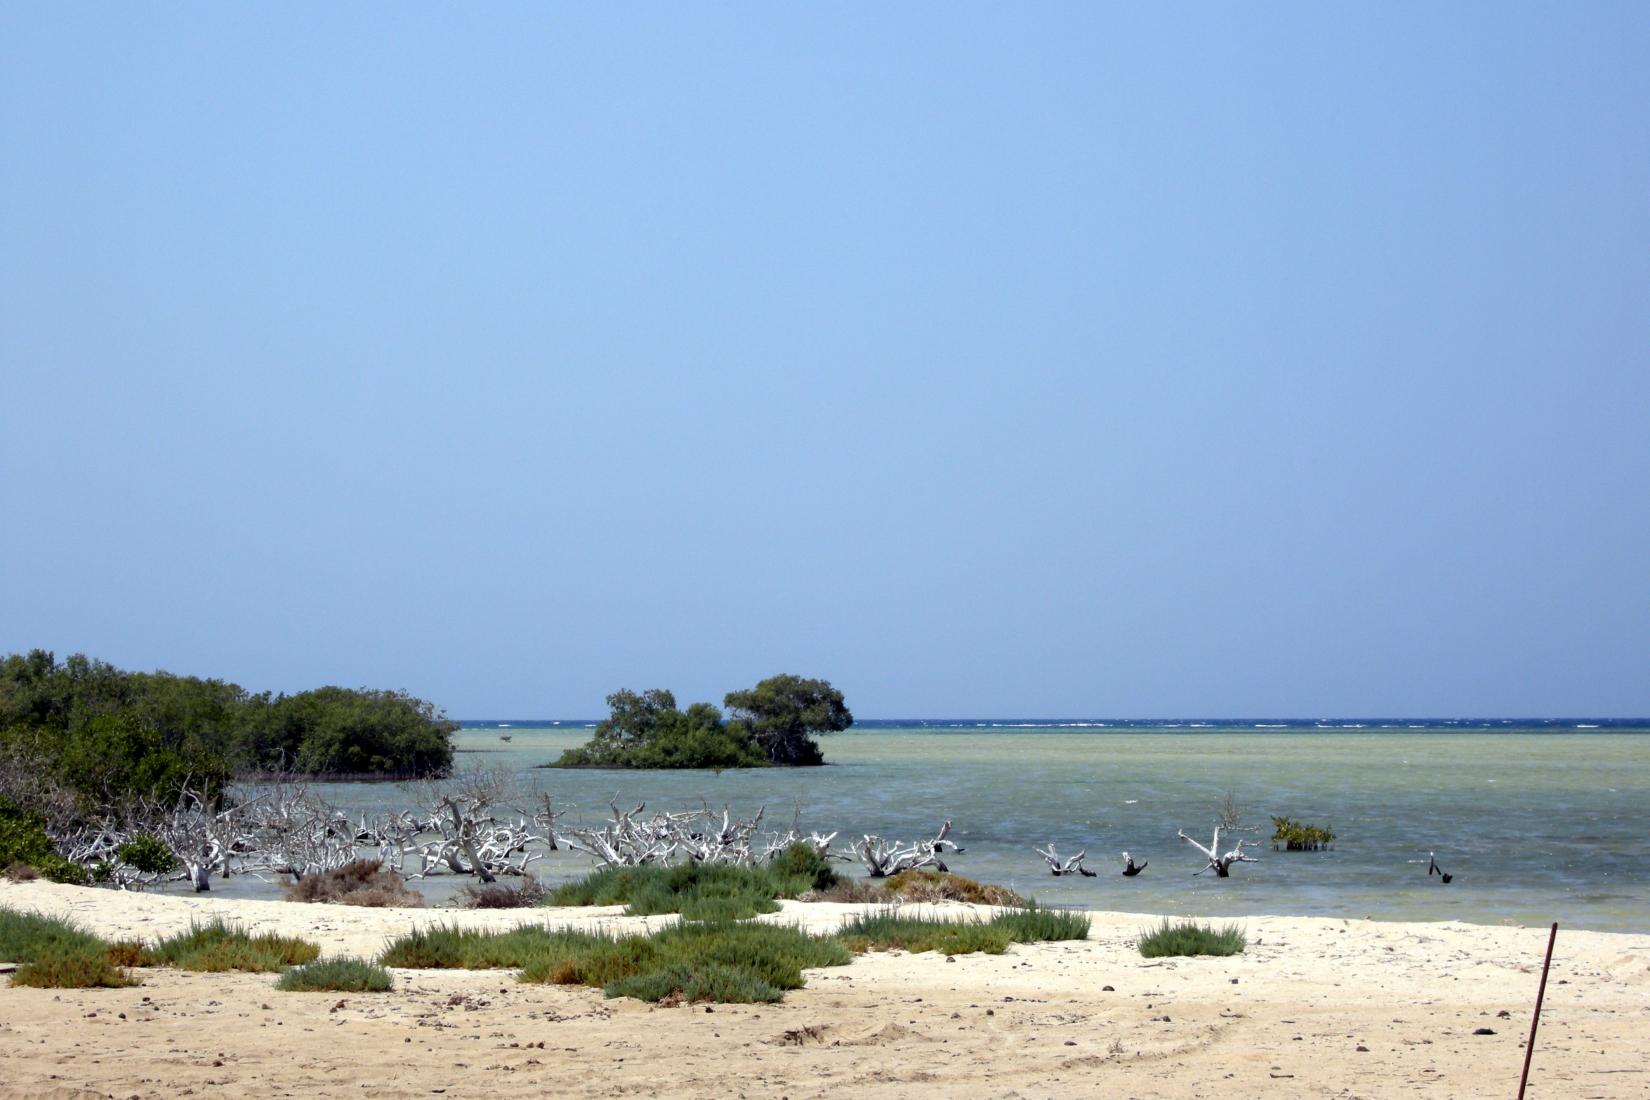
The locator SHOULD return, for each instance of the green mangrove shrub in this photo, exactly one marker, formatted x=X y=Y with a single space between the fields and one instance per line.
x=1297 y=836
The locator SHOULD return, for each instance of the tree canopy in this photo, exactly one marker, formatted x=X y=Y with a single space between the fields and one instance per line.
x=112 y=734
x=773 y=724
x=647 y=731
x=783 y=713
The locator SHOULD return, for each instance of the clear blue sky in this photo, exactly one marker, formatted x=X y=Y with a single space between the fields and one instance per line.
x=1081 y=361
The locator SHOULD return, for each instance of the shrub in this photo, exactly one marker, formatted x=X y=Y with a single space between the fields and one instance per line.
x=647 y=731
x=148 y=853
x=1297 y=836
x=855 y=891
x=1190 y=938
x=362 y=882
x=23 y=842
x=497 y=895
x=220 y=946
x=805 y=862
x=73 y=972
x=20 y=872
x=336 y=976
x=126 y=953
x=944 y=886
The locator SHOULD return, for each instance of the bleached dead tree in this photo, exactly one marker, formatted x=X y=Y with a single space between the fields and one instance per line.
x=1071 y=866
x=469 y=837
x=1222 y=864
x=883 y=858
x=628 y=840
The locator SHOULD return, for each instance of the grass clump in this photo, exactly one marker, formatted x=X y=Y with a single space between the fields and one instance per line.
x=1191 y=938
x=449 y=947
x=1034 y=924
x=688 y=984
x=944 y=886
x=363 y=882
x=56 y=953
x=890 y=930
x=336 y=976
x=701 y=891
x=73 y=972
x=724 y=961
x=220 y=946
x=700 y=960
x=32 y=937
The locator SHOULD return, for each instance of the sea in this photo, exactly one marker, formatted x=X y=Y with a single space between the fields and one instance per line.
x=1536 y=820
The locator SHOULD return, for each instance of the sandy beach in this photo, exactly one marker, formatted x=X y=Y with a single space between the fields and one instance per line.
x=1314 y=1007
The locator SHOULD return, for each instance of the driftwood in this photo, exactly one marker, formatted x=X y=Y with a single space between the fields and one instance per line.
x=1222 y=864
x=1130 y=867
x=883 y=858
x=1071 y=866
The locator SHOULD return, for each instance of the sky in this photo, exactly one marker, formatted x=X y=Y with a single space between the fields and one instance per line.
x=1078 y=361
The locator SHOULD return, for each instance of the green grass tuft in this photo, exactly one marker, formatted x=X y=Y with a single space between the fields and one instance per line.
x=220 y=946
x=889 y=929
x=698 y=891
x=1190 y=938
x=336 y=976
x=31 y=937
x=73 y=972
x=1034 y=924
x=707 y=982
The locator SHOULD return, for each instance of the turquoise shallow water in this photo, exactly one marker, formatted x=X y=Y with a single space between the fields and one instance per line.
x=1535 y=826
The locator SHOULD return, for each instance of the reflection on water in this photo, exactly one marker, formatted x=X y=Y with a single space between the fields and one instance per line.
x=1535 y=827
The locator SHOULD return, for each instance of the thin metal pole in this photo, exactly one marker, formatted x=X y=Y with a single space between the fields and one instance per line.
x=1529 y=1047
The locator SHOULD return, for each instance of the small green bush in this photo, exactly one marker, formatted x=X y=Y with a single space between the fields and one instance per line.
x=1191 y=938
x=220 y=946
x=804 y=862
x=73 y=972
x=148 y=853
x=336 y=976
x=1297 y=836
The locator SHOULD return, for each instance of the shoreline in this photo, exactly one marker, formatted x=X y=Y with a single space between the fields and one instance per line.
x=1315 y=1006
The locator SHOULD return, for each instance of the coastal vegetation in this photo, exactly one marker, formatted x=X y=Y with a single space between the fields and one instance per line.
x=771 y=724
x=703 y=891
x=1297 y=836
x=718 y=959
x=363 y=882
x=221 y=945
x=1191 y=938
x=110 y=735
x=336 y=976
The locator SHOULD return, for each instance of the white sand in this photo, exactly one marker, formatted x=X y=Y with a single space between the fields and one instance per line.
x=1314 y=1007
